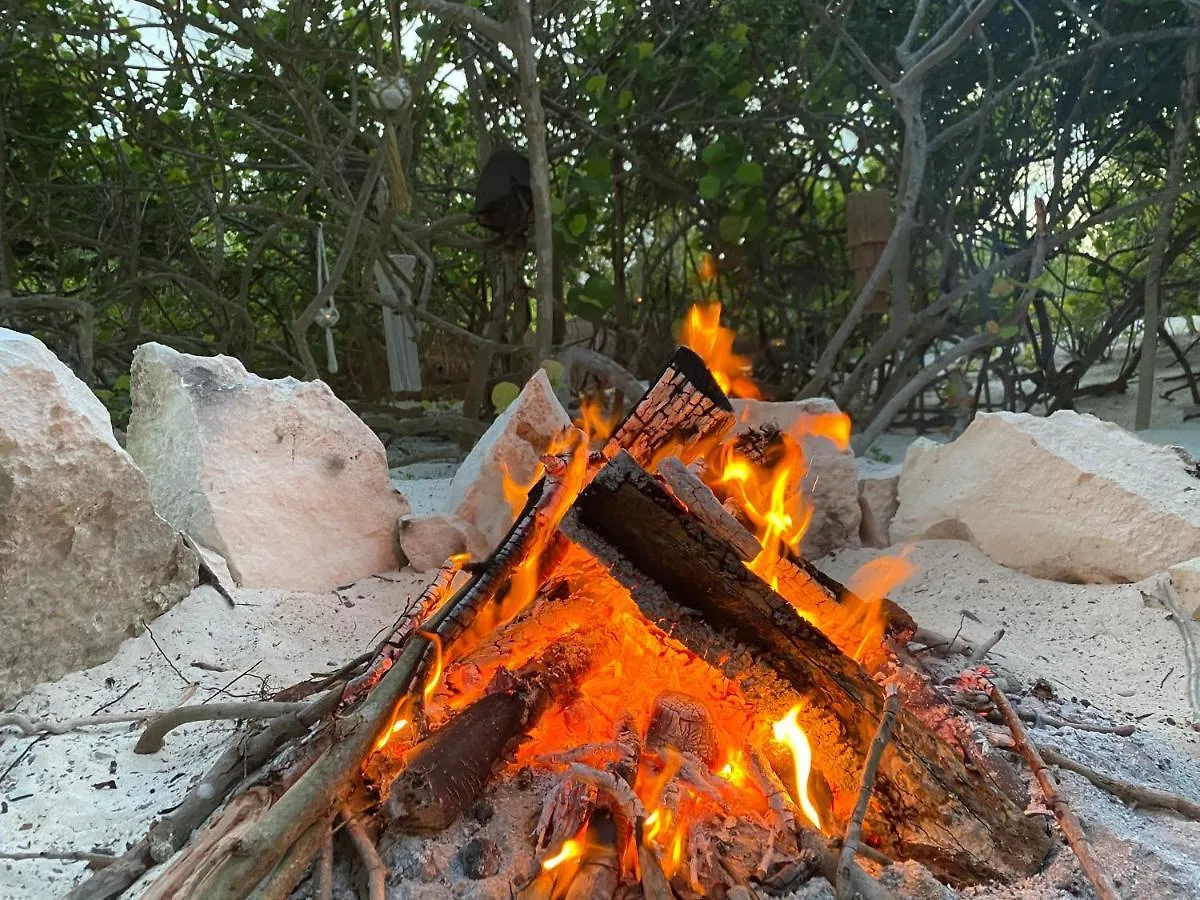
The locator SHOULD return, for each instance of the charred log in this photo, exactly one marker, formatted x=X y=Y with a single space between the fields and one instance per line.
x=928 y=805
x=446 y=773
x=683 y=412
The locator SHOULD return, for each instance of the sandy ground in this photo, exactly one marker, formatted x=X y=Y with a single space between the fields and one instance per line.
x=88 y=790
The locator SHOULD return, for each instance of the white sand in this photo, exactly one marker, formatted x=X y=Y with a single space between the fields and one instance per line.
x=88 y=790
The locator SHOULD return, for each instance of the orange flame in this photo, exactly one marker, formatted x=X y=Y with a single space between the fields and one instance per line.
x=787 y=731
x=703 y=333
x=435 y=674
x=595 y=420
x=866 y=590
x=571 y=849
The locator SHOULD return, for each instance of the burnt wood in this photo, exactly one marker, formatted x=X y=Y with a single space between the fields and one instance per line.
x=928 y=806
x=684 y=412
x=446 y=773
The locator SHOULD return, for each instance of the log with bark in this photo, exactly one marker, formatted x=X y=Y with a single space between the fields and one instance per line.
x=928 y=805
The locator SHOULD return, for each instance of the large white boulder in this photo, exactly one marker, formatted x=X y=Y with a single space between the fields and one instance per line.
x=510 y=447
x=1068 y=498
x=832 y=479
x=278 y=476
x=83 y=557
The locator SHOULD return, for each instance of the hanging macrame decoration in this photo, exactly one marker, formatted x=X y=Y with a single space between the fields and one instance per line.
x=327 y=316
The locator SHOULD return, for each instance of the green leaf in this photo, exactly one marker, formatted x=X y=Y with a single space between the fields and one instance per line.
x=1009 y=331
x=578 y=224
x=710 y=187
x=644 y=49
x=121 y=383
x=625 y=99
x=503 y=395
x=740 y=31
x=749 y=173
x=715 y=50
x=557 y=206
x=1002 y=288
x=554 y=370
x=732 y=227
x=713 y=151
x=596 y=85
x=598 y=167
x=600 y=289
x=741 y=90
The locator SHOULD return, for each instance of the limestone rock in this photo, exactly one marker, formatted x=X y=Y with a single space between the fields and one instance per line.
x=832 y=479
x=1185 y=579
x=878 y=488
x=513 y=443
x=1069 y=498
x=83 y=557
x=428 y=541
x=278 y=476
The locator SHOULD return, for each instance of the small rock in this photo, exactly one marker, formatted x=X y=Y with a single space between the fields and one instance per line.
x=278 y=476
x=1185 y=579
x=480 y=858
x=429 y=541
x=524 y=778
x=512 y=445
x=878 y=487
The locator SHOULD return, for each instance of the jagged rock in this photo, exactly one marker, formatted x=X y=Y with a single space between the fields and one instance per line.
x=278 y=476
x=1185 y=579
x=83 y=557
x=878 y=488
x=832 y=479
x=428 y=541
x=1069 y=498
x=511 y=445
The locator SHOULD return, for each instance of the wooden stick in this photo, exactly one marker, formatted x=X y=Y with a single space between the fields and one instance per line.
x=845 y=880
x=282 y=880
x=151 y=740
x=95 y=860
x=1067 y=821
x=377 y=872
x=696 y=497
x=1134 y=794
x=983 y=649
x=323 y=876
x=1041 y=718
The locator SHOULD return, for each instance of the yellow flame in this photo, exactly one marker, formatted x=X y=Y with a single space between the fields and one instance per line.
x=595 y=420
x=702 y=332
x=867 y=588
x=569 y=850
x=435 y=674
x=788 y=732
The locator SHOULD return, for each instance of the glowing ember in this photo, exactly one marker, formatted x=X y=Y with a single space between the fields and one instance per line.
x=788 y=732
x=570 y=850
x=703 y=333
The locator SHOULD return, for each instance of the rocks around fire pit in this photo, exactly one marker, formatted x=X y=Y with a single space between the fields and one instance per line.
x=427 y=542
x=832 y=479
x=1185 y=579
x=1068 y=498
x=512 y=445
x=878 y=490
x=278 y=476
x=83 y=557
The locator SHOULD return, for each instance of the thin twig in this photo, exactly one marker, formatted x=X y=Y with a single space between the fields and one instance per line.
x=1132 y=794
x=163 y=654
x=323 y=876
x=1191 y=653
x=377 y=872
x=1067 y=820
x=225 y=687
x=151 y=740
x=845 y=886
x=982 y=650
x=96 y=860
x=30 y=727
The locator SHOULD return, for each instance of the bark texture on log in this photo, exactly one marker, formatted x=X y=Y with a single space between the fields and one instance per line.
x=446 y=773
x=683 y=412
x=929 y=807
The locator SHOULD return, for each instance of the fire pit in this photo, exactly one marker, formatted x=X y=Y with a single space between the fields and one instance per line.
x=644 y=690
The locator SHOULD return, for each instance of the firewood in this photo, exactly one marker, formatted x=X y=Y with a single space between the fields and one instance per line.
x=654 y=882
x=680 y=721
x=930 y=806
x=444 y=774
x=377 y=871
x=684 y=412
x=1067 y=820
x=699 y=499
x=599 y=871
x=845 y=877
x=1138 y=796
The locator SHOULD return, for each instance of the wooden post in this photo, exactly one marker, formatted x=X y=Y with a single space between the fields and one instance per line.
x=868 y=225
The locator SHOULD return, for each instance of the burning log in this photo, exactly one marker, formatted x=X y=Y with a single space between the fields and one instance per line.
x=684 y=412
x=446 y=773
x=927 y=805
x=683 y=723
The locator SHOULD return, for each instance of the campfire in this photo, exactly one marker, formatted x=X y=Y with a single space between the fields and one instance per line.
x=689 y=707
